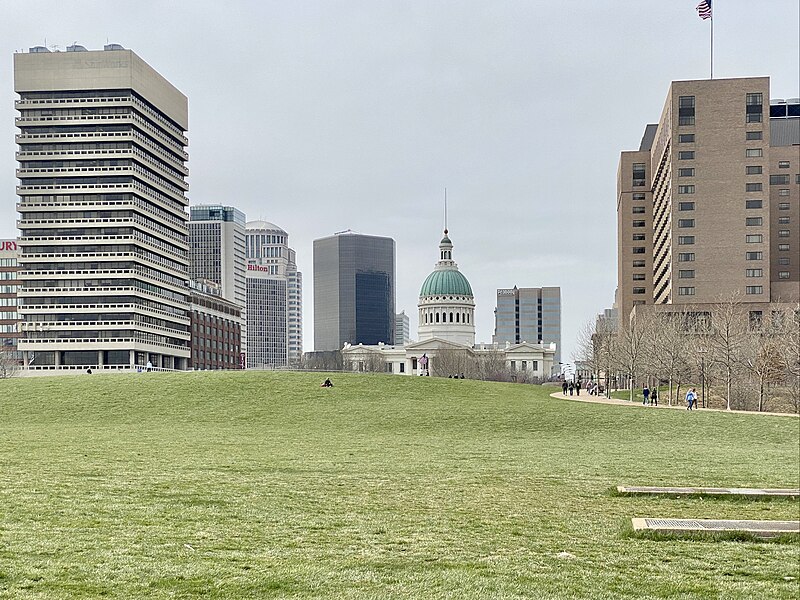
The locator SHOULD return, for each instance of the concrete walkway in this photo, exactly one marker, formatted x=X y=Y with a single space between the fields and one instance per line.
x=584 y=397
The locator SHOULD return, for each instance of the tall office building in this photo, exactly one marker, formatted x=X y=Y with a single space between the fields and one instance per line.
x=9 y=317
x=217 y=253
x=102 y=183
x=275 y=291
x=707 y=206
x=402 y=328
x=529 y=315
x=354 y=293
x=217 y=249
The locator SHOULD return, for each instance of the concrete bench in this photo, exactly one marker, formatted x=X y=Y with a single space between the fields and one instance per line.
x=762 y=529
x=708 y=491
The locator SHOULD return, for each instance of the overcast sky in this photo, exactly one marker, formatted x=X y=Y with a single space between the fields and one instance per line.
x=334 y=115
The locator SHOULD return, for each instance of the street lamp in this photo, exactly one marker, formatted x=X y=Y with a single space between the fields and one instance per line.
x=702 y=351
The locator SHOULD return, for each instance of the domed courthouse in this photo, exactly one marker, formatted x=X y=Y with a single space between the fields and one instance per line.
x=446 y=333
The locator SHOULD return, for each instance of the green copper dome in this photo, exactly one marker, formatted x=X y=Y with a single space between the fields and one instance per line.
x=446 y=282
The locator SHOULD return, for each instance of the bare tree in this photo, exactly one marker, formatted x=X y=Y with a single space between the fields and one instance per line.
x=668 y=348
x=585 y=351
x=790 y=352
x=491 y=366
x=596 y=347
x=762 y=354
x=726 y=341
x=630 y=347
x=330 y=360
x=9 y=363
x=451 y=361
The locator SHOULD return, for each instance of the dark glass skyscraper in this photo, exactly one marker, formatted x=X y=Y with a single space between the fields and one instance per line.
x=353 y=290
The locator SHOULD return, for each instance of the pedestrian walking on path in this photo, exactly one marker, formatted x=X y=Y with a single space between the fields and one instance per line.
x=645 y=394
x=654 y=397
x=564 y=386
x=571 y=388
x=691 y=397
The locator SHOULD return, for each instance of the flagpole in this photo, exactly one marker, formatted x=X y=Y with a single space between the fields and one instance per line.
x=712 y=45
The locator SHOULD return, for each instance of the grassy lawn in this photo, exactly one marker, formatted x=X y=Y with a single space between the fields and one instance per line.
x=264 y=485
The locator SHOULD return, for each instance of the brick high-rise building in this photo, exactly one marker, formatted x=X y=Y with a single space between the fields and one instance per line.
x=707 y=207
x=102 y=184
x=217 y=254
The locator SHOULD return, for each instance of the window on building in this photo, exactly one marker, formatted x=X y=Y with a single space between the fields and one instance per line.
x=638 y=249
x=686 y=291
x=753 y=204
x=783 y=261
x=685 y=223
x=754 y=255
x=686 y=189
x=753 y=187
x=754 y=221
x=783 y=274
x=638 y=174
x=686 y=206
x=754 y=110
x=638 y=196
x=686 y=155
x=755 y=238
x=754 y=170
x=685 y=138
x=779 y=180
x=638 y=237
x=638 y=290
x=638 y=263
x=783 y=164
x=783 y=233
x=755 y=319
x=754 y=289
x=783 y=247
x=686 y=257
x=638 y=276
x=783 y=220
x=754 y=272
x=685 y=240
x=754 y=152
x=686 y=274
x=754 y=135
x=686 y=172
x=686 y=106
x=783 y=192
x=639 y=210
x=638 y=223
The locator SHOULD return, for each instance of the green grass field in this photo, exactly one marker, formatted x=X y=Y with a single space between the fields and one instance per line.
x=264 y=485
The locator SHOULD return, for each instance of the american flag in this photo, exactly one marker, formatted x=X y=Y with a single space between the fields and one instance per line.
x=704 y=9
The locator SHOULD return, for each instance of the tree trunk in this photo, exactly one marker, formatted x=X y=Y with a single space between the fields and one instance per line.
x=761 y=395
x=670 y=391
x=728 y=390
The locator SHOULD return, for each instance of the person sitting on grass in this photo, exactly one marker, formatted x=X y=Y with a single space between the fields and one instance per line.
x=327 y=383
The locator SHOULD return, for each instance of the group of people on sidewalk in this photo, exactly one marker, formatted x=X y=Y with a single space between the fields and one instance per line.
x=571 y=387
x=650 y=397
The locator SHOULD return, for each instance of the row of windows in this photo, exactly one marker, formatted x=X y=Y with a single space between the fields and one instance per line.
x=8 y=262
x=454 y=318
x=688 y=138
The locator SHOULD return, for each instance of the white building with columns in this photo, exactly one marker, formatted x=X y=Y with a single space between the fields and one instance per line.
x=446 y=333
